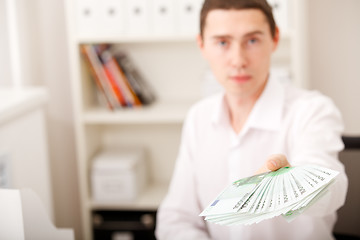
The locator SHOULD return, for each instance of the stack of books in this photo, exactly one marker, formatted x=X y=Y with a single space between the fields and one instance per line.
x=116 y=77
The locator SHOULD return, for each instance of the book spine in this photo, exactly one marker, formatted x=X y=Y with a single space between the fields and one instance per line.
x=95 y=51
x=84 y=49
x=119 y=95
x=131 y=98
x=137 y=82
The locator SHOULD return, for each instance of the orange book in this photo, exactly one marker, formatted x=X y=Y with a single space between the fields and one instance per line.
x=115 y=87
x=100 y=85
x=120 y=78
x=97 y=63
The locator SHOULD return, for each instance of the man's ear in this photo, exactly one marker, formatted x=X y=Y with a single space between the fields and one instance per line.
x=200 y=41
x=276 y=38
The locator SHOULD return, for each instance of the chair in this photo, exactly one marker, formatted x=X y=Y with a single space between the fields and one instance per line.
x=348 y=224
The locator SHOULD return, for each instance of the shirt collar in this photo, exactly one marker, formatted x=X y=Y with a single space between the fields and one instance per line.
x=221 y=111
x=266 y=113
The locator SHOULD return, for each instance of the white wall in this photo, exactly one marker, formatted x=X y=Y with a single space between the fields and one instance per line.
x=335 y=55
x=5 y=78
x=43 y=47
x=27 y=46
x=54 y=74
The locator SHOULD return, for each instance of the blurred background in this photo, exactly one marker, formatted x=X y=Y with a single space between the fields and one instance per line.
x=329 y=49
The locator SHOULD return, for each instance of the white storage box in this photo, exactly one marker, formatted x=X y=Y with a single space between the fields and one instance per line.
x=118 y=175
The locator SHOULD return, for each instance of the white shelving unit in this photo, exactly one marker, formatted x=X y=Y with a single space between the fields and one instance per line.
x=170 y=62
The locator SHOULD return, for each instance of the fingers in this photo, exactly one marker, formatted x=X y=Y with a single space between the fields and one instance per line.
x=276 y=161
x=262 y=170
x=273 y=163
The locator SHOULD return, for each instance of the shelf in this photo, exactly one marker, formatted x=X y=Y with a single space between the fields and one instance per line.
x=161 y=112
x=135 y=39
x=150 y=199
x=286 y=35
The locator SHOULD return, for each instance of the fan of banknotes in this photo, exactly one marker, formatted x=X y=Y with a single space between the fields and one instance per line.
x=287 y=192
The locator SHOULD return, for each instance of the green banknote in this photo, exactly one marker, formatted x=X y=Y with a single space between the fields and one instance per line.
x=288 y=191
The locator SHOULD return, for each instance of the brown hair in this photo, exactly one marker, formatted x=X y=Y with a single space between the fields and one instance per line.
x=262 y=5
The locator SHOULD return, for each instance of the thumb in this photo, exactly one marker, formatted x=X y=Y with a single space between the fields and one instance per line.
x=277 y=161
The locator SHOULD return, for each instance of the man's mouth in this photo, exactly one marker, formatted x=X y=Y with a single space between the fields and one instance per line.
x=240 y=78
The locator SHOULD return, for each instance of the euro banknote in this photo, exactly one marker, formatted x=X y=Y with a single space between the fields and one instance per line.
x=288 y=192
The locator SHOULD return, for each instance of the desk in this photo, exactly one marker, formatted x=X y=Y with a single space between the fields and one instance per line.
x=23 y=217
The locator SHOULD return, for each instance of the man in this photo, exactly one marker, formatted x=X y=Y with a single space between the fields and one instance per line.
x=255 y=125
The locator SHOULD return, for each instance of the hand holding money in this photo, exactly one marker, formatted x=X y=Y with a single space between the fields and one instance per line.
x=273 y=163
x=287 y=192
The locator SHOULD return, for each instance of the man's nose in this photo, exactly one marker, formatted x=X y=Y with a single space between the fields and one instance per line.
x=238 y=57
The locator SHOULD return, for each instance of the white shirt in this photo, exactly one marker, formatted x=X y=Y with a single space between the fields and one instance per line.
x=303 y=125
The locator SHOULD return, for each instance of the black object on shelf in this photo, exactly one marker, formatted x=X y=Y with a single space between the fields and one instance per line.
x=123 y=225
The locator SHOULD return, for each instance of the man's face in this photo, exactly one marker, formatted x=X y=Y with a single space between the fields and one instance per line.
x=238 y=46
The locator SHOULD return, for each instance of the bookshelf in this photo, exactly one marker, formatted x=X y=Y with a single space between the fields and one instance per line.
x=171 y=63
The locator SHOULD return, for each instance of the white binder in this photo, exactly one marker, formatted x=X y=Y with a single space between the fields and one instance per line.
x=100 y=18
x=280 y=12
x=163 y=17
x=137 y=13
x=111 y=17
x=187 y=16
x=87 y=16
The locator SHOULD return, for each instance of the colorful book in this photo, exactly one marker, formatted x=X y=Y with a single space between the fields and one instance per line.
x=116 y=77
x=119 y=77
x=101 y=85
x=138 y=84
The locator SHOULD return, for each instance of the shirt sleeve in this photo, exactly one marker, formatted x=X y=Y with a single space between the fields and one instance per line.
x=318 y=141
x=177 y=216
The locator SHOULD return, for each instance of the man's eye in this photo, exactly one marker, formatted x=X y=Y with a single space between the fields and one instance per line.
x=252 y=41
x=223 y=43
